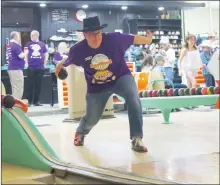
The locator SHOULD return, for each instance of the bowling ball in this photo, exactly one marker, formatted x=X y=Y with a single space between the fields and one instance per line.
x=149 y=93
x=198 y=91
x=210 y=90
x=165 y=92
x=192 y=91
x=186 y=92
x=170 y=92
x=145 y=94
x=160 y=92
x=176 y=92
x=141 y=94
x=62 y=75
x=154 y=93
x=181 y=92
x=217 y=90
x=8 y=101
x=204 y=91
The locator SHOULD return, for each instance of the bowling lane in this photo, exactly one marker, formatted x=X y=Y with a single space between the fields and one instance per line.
x=12 y=174
x=193 y=136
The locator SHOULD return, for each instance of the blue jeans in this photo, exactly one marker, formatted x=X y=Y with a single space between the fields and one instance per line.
x=209 y=80
x=178 y=86
x=95 y=104
x=168 y=74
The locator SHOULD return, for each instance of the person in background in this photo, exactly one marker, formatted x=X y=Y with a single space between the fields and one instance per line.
x=16 y=65
x=214 y=42
x=37 y=57
x=169 y=54
x=190 y=61
x=206 y=57
x=61 y=50
x=147 y=63
x=157 y=73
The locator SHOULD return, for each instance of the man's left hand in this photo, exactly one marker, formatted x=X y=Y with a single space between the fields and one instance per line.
x=149 y=33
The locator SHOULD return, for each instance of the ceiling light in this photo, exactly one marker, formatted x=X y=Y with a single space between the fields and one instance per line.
x=124 y=7
x=85 y=6
x=17 y=23
x=42 y=5
x=161 y=8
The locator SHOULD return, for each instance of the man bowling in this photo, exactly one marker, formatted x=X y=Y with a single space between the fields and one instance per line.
x=106 y=72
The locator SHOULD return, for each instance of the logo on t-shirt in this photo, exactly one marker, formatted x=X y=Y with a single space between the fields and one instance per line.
x=36 y=51
x=100 y=63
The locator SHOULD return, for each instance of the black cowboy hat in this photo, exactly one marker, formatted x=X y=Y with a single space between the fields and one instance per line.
x=92 y=24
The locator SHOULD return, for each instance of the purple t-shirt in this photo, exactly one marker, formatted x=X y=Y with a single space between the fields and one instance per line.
x=36 y=51
x=105 y=65
x=15 y=63
x=57 y=57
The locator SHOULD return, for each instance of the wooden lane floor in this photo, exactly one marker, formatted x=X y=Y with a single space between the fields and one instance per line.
x=185 y=151
x=12 y=174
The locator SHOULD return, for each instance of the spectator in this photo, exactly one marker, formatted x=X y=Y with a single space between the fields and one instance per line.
x=36 y=57
x=169 y=57
x=16 y=65
x=206 y=57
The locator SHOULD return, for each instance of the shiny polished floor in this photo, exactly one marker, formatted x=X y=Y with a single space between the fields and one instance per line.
x=186 y=151
x=12 y=174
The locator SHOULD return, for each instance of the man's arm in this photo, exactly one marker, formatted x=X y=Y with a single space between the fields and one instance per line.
x=204 y=60
x=67 y=60
x=21 y=55
x=138 y=39
x=46 y=56
x=60 y=65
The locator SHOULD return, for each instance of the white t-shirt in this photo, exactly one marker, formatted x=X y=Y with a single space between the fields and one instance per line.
x=146 y=68
x=170 y=58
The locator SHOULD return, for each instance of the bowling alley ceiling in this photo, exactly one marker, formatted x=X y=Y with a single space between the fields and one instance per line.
x=106 y=4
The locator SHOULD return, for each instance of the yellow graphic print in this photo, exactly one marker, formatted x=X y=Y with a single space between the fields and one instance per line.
x=100 y=63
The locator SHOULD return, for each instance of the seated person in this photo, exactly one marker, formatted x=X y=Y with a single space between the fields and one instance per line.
x=177 y=80
x=147 y=63
x=157 y=73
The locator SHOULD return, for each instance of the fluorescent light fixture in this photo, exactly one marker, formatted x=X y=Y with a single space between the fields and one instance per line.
x=42 y=5
x=124 y=7
x=161 y=8
x=85 y=6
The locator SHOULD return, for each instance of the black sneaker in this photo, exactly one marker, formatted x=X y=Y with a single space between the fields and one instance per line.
x=79 y=139
x=138 y=146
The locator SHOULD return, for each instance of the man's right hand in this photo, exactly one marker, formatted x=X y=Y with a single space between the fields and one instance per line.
x=58 y=68
x=60 y=65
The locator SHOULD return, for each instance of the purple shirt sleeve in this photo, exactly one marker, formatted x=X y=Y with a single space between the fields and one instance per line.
x=57 y=57
x=18 y=49
x=124 y=40
x=72 y=58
